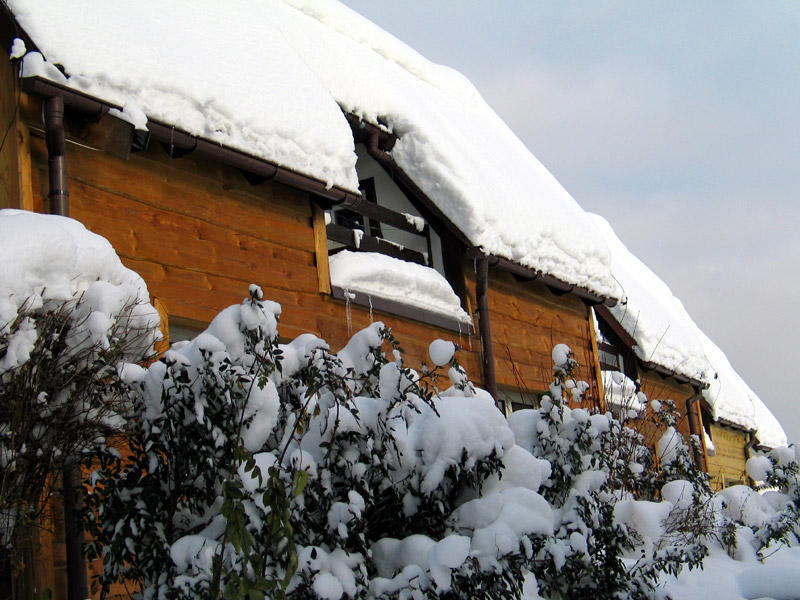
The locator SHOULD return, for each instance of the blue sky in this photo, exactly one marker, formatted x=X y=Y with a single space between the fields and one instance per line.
x=677 y=121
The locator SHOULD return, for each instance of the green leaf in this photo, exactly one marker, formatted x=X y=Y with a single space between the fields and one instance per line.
x=300 y=482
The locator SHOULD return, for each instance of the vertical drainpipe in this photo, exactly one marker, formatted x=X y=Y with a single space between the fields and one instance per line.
x=57 y=155
x=485 y=326
x=751 y=441
x=698 y=458
x=74 y=537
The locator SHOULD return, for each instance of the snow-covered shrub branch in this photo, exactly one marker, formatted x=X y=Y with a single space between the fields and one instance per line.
x=771 y=518
x=67 y=325
x=356 y=464
x=265 y=470
x=611 y=538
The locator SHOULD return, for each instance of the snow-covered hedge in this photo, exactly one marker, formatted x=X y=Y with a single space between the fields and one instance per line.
x=258 y=469
x=283 y=469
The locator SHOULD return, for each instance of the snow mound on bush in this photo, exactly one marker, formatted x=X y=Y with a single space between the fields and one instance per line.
x=49 y=260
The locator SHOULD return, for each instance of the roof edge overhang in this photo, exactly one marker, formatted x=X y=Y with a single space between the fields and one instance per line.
x=609 y=319
x=679 y=377
x=187 y=143
x=630 y=342
x=557 y=285
x=733 y=425
x=379 y=142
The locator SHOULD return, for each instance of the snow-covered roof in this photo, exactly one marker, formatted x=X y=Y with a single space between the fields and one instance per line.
x=666 y=335
x=271 y=78
x=732 y=400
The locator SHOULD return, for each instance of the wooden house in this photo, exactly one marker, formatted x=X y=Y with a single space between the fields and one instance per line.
x=200 y=220
x=201 y=200
x=263 y=145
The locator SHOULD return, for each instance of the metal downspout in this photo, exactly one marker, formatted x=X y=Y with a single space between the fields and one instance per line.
x=751 y=441
x=485 y=326
x=698 y=458
x=74 y=535
x=77 y=578
x=57 y=155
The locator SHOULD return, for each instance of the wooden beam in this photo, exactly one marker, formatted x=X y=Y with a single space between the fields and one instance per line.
x=367 y=243
x=384 y=215
x=601 y=388
x=23 y=136
x=321 y=248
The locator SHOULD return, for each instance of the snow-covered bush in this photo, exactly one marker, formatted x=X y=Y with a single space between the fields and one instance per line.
x=774 y=515
x=265 y=470
x=610 y=539
x=70 y=316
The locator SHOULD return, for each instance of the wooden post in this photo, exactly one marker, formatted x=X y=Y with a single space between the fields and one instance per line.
x=321 y=247
x=699 y=459
x=601 y=400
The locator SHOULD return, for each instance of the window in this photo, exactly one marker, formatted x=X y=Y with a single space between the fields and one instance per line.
x=515 y=399
x=614 y=345
x=610 y=358
x=387 y=222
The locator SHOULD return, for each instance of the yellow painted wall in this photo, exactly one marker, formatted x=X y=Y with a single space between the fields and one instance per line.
x=727 y=466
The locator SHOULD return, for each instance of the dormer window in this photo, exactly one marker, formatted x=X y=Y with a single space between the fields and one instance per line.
x=387 y=222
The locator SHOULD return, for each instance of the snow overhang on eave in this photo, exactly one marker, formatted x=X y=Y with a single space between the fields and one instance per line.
x=732 y=425
x=379 y=142
x=10 y=29
x=679 y=377
x=184 y=143
x=558 y=286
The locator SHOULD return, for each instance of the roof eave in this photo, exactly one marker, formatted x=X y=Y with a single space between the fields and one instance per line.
x=187 y=143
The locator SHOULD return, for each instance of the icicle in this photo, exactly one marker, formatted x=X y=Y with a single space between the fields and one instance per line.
x=348 y=296
x=371 y=320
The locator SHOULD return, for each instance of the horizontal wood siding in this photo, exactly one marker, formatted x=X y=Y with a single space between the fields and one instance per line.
x=728 y=461
x=527 y=321
x=661 y=388
x=199 y=234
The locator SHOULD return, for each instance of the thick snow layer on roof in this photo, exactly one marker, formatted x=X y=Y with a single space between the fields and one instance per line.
x=454 y=147
x=667 y=336
x=269 y=78
x=664 y=332
x=382 y=276
x=731 y=399
x=224 y=71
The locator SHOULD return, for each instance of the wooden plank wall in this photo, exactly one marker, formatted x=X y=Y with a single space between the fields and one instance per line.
x=199 y=234
x=728 y=461
x=15 y=176
x=527 y=321
x=661 y=388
